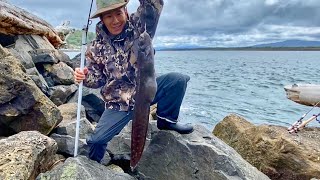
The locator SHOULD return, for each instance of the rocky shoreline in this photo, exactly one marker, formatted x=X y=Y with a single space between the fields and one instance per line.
x=38 y=115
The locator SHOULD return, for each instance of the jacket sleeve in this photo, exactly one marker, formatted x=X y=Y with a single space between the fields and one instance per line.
x=95 y=77
x=147 y=16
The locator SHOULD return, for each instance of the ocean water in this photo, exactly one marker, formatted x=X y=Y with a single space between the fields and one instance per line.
x=247 y=83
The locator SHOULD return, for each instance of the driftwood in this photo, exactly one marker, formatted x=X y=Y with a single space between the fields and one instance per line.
x=15 y=21
x=305 y=94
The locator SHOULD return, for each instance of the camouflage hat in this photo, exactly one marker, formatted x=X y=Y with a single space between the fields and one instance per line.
x=107 y=5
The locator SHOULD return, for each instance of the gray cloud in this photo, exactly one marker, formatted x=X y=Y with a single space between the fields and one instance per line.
x=57 y=11
x=206 y=22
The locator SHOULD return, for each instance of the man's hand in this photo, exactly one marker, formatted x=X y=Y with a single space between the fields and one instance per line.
x=80 y=75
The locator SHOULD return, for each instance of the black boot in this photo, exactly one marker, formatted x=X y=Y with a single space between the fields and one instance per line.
x=178 y=127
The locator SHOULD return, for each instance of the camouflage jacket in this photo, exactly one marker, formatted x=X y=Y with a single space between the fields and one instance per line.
x=112 y=66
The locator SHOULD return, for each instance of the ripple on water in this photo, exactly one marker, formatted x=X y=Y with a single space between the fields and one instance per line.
x=248 y=83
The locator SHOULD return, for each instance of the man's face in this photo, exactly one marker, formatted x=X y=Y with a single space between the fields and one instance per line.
x=115 y=20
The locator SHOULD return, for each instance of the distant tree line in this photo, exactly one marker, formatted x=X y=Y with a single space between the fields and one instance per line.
x=74 y=40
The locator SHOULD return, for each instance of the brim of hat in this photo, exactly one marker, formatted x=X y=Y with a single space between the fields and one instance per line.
x=103 y=10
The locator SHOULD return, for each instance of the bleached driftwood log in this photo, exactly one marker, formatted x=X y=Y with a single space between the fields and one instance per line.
x=14 y=21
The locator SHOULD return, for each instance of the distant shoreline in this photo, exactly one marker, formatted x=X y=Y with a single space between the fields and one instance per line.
x=246 y=49
x=229 y=49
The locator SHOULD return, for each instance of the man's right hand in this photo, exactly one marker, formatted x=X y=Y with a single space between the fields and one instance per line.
x=80 y=75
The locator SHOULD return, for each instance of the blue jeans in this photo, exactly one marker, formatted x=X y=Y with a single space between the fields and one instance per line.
x=171 y=88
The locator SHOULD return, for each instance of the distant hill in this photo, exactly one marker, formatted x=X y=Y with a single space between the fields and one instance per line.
x=283 y=45
x=74 y=40
x=291 y=43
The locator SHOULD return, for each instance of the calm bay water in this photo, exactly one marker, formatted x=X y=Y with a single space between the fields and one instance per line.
x=248 y=83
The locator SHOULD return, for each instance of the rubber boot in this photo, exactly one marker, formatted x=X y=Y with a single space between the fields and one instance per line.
x=178 y=127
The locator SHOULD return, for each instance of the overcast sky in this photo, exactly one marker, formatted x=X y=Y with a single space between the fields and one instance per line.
x=214 y=23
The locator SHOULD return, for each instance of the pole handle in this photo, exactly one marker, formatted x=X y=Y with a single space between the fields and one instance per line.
x=83 y=51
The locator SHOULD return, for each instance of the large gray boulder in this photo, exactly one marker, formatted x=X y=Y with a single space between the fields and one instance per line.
x=25 y=155
x=198 y=155
x=23 y=106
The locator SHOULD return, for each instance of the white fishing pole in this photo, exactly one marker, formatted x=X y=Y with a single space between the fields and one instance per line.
x=83 y=51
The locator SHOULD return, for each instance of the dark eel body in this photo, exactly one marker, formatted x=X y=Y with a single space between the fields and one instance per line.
x=146 y=88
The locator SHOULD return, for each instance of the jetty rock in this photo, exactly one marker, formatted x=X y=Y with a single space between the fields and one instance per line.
x=16 y=21
x=26 y=154
x=22 y=104
x=271 y=149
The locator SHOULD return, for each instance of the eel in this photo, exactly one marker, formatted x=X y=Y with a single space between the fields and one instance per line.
x=146 y=88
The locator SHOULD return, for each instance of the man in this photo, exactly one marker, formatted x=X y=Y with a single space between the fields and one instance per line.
x=111 y=67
